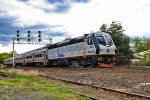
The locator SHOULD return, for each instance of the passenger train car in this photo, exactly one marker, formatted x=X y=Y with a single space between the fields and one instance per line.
x=8 y=62
x=91 y=49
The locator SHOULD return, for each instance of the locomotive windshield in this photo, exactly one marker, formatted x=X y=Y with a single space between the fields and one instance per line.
x=109 y=40
x=104 y=41
x=101 y=40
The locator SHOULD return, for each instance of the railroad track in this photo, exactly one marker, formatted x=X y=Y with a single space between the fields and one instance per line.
x=128 y=94
x=108 y=90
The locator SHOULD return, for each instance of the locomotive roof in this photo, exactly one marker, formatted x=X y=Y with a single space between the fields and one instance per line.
x=68 y=41
x=99 y=33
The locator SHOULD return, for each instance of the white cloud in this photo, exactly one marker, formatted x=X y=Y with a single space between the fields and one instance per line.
x=40 y=4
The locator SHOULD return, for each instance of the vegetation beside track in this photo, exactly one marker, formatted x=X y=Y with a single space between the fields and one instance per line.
x=20 y=86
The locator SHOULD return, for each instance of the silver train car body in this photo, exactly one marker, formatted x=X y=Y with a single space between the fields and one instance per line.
x=91 y=49
x=35 y=57
x=8 y=61
x=19 y=59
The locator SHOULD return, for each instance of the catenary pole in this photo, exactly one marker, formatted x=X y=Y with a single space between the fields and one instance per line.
x=13 y=60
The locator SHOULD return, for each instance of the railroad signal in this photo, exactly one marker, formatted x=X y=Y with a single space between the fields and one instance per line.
x=17 y=39
x=39 y=35
x=27 y=40
x=18 y=35
x=29 y=34
x=31 y=40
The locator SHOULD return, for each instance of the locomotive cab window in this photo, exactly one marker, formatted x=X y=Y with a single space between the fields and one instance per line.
x=89 y=41
x=109 y=40
x=101 y=40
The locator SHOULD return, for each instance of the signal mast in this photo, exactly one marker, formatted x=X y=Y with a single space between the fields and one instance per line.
x=29 y=39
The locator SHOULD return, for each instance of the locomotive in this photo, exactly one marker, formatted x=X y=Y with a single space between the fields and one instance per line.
x=94 y=49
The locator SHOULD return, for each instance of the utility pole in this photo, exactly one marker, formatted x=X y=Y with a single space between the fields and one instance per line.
x=28 y=40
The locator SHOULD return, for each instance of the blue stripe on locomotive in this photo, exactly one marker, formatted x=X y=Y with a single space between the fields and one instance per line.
x=60 y=56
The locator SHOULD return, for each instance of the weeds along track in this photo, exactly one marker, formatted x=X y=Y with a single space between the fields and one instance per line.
x=129 y=82
x=31 y=72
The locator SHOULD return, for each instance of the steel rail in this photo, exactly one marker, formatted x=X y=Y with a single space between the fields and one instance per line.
x=81 y=94
x=101 y=87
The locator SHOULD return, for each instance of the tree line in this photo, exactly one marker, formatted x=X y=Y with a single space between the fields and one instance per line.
x=140 y=45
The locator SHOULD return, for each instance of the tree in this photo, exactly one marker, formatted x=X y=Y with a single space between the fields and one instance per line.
x=140 y=44
x=121 y=40
x=137 y=44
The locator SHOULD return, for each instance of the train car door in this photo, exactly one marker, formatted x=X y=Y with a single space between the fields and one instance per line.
x=90 y=46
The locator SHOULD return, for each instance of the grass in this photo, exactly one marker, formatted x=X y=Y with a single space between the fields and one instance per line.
x=34 y=87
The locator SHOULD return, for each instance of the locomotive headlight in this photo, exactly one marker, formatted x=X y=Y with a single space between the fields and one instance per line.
x=107 y=45
x=113 y=51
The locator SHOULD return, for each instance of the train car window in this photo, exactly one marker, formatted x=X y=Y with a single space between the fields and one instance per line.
x=28 y=57
x=38 y=55
x=89 y=41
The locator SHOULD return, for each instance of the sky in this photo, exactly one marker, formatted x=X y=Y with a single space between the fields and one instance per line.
x=59 y=19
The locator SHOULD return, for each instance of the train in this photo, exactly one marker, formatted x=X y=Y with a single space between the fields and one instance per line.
x=93 y=49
